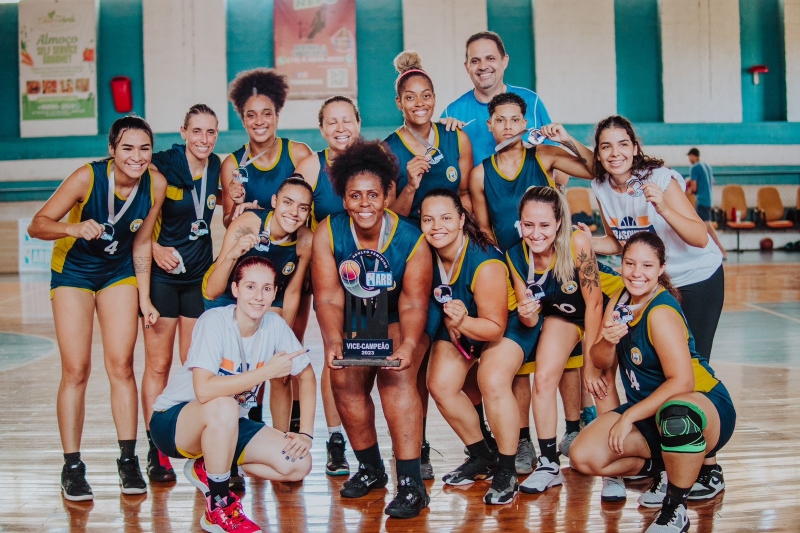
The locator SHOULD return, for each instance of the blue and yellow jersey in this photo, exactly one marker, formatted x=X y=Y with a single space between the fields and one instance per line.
x=326 y=201
x=465 y=274
x=87 y=259
x=562 y=299
x=446 y=173
x=642 y=372
x=263 y=182
x=403 y=241
x=174 y=223
x=503 y=193
x=283 y=255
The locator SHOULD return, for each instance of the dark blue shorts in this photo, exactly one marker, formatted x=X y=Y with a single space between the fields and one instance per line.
x=721 y=399
x=525 y=337
x=704 y=212
x=164 y=423
x=123 y=275
x=174 y=300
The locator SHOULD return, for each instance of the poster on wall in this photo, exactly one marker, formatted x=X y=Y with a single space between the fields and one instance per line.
x=315 y=47
x=57 y=68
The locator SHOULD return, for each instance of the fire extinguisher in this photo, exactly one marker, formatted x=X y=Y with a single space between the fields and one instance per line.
x=122 y=94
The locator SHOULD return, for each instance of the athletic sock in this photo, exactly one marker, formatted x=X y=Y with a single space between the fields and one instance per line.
x=71 y=459
x=218 y=488
x=677 y=494
x=295 y=409
x=409 y=468
x=651 y=468
x=482 y=417
x=479 y=449
x=506 y=462
x=424 y=428
x=372 y=456
x=127 y=449
x=548 y=449
x=256 y=414
x=525 y=433
x=335 y=429
x=573 y=426
x=150 y=442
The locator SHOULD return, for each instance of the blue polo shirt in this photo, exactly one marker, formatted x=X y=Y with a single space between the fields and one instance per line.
x=701 y=174
x=467 y=108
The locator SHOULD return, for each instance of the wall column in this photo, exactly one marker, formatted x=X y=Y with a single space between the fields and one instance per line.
x=791 y=17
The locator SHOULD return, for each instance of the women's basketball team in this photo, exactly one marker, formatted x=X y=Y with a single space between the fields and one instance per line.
x=491 y=283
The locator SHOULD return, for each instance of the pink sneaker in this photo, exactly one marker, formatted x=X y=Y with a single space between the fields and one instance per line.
x=226 y=519
x=195 y=472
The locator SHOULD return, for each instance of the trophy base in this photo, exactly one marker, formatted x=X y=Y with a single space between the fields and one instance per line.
x=365 y=361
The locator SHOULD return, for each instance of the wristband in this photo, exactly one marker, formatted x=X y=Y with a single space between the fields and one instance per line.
x=306 y=434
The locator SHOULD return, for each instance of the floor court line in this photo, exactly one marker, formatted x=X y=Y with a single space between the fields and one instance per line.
x=771 y=312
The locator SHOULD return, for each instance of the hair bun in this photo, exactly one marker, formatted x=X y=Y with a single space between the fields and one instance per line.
x=408 y=60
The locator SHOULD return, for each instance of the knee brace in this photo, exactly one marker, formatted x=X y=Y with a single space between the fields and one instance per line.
x=681 y=425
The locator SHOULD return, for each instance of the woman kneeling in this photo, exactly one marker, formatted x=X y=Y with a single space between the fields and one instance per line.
x=677 y=412
x=202 y=413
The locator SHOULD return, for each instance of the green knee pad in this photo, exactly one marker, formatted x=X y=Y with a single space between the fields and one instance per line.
x=681 y=425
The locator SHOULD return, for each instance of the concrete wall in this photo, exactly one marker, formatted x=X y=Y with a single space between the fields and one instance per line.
x=701 y=64
x=576 y=59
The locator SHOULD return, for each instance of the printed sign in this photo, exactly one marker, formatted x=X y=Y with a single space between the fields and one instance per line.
x=315 y=47
x=34 y=255
x=57 y=70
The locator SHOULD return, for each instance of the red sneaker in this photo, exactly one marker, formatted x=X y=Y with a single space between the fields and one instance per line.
x=228 y=518
x=195 y=472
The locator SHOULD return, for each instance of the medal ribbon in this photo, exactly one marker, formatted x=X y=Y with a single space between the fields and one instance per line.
x=447 y=276
x=112 y=218
x=199 y=208
x=266 y=233
x=246 y=161
x=625 y=296
x=532 y=271
x=427 y=143
x=381 y=240
x=253 y=348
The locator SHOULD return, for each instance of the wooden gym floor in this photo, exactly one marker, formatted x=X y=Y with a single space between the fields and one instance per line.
x=755 y=354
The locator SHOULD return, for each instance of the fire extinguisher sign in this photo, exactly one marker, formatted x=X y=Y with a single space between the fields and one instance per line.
x=57 y=68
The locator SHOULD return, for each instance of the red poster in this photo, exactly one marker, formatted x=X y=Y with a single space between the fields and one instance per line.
x=315 y=47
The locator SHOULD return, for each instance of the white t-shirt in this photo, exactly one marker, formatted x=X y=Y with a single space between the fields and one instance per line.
x=215 y=347
x=627 y=215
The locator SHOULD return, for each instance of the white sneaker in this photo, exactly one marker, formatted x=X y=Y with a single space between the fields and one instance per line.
x=654 y=496
x=546 y=475
x=670 y=519
x=613 y=490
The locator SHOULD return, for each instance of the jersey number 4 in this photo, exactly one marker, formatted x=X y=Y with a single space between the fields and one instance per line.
x=632 y=378
x=111 y=248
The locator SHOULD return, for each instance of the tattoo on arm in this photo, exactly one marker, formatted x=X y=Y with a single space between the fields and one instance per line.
x=141 y=264
x=574 y=149
x=587 y=264
x=241 y=231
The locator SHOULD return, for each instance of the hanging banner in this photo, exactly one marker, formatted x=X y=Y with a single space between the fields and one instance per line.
x=315 y=47
x=57 y=71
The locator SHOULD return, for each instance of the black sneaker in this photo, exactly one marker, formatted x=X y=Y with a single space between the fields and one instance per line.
x=236 y=482
x=505 y=486
x=472 y=470
x=337 y=464
x=425 y=467
x=130 y=476
x=363 y=481
x=709 y=483
x=409 y=501
x=73 y=483
x=159 y=469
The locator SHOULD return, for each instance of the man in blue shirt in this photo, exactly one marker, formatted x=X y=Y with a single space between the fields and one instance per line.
x=486 y=61
x=701 y=181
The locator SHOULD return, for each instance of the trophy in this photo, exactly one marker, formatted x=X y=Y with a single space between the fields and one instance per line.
x=366 y=310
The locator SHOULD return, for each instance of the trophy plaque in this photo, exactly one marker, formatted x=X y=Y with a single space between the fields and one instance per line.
x=366 y=310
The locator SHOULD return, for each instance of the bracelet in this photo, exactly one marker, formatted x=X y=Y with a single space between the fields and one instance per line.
x=306 y=434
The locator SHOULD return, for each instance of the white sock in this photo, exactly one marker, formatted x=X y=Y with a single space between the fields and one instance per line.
x=219 y=478
x=335 y=429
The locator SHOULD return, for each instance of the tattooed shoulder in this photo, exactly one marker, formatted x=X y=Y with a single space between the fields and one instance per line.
x=587 y=264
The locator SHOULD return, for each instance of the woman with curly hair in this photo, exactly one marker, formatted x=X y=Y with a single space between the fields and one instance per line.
x=253 y=173
x=363 y=176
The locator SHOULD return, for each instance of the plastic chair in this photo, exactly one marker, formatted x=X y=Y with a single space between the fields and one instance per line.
x=579 y=202
x=770 y=208
x=733 y=199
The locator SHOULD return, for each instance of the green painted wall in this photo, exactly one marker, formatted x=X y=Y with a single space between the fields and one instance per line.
x=638 y=46
x=762 y=43
x=513 y=21
x=9 y=66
